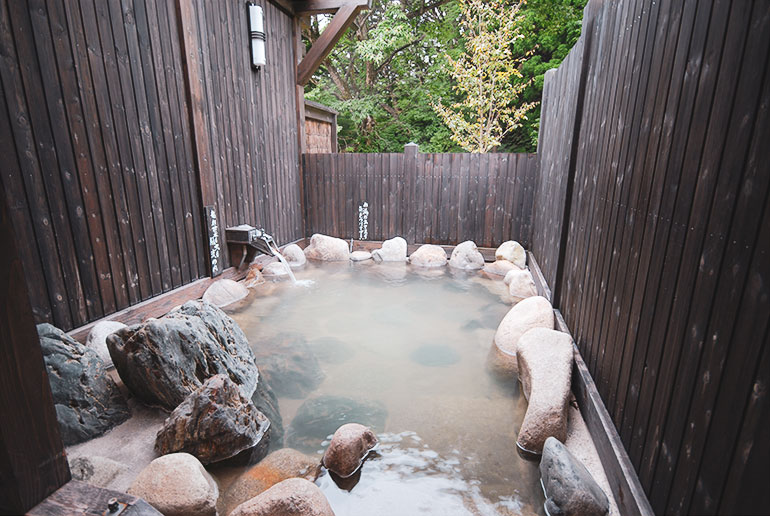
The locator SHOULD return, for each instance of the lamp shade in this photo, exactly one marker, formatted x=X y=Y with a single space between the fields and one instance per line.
x=257 y=35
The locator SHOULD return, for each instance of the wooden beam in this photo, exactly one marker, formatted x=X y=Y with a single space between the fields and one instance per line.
x=285 y=6
x=308 y=7
x=32 y=459
x=324 y=44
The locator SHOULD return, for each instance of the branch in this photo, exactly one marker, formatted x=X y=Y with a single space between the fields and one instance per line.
x=425 y=8
x=396 y=51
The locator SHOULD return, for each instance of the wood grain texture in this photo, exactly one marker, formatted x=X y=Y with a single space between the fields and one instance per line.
x=661 y=268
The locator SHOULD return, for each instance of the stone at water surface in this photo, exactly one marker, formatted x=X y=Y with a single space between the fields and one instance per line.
x=163 y=360
x=278 y=466
x=570 y=489
x=225 y=292
x=96 y=471
x=393 y=250
x=360 y=256
x=253 y=276
x=499 y=268
x=520 y=284
x=86 y=399
x=326 y=248
x=428 y=255
x=513 y=252
x=275 y=270
x=435 y=355
x=466 y=256
x=348 y=448
x=97 y=339
x=545 y=370
x=294 y=256
x=533 y=312
x=177 y=485
x=318 y=418
x=289 y=365
x=215 y=423
x=292 y=497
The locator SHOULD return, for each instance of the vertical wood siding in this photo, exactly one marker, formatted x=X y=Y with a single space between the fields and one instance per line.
x=664 y=256
x=425 y=198
x=99 y=166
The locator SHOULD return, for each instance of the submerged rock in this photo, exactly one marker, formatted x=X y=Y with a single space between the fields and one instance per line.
x=276 y=270
x=96 y=471
x=545 y=371
x=393 y=250
x=294 y=256
x=513 y=252
x=326 y=248
x=499 y=268
x=533 y=312
x=331 y=350
x=428 y=255
x=570 y=489
x=292 y=497
x=163 y=360
x=215 y=423
x=466 y=256
x=278 y=466
x=348 y=448
x=97 y=339
x=520 y=284
x=289 y=365
x=435 y=355
x=86 y=399
x=177 y=485
x=253 y=276
x=225 y=292
x=360 y=256
x=318 y=418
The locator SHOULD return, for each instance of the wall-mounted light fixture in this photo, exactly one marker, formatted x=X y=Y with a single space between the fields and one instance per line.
x=256 y=35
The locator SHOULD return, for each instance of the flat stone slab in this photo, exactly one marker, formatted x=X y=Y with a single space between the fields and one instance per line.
x=545 y=371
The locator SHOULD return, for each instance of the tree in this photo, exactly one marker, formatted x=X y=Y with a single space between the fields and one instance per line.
x=487 y=76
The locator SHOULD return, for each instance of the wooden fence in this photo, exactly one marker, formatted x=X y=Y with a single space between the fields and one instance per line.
x=425 y=198
x=655 y=133
x=100 y=163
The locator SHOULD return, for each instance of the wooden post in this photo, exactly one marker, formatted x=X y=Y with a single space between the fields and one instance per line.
x=410 y=174
x=32 y=459
x=190 y=45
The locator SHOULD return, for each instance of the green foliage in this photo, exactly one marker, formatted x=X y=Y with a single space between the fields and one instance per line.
x=390 y=66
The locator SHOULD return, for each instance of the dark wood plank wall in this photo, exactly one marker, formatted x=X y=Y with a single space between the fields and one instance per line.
x=100 y=170
x=98 y=166
x=251 y=119
x=425 y=198
x=664 y=256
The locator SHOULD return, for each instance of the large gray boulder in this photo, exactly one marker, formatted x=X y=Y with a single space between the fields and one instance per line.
x=177 y=485
x=87 y=401
x=163 y=360
x=570 y=489
x=215 y=423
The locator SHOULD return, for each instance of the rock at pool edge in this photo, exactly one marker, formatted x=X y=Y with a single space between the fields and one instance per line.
x=348 y=448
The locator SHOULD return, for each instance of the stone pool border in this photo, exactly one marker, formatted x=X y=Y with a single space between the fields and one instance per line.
x=624 y=483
